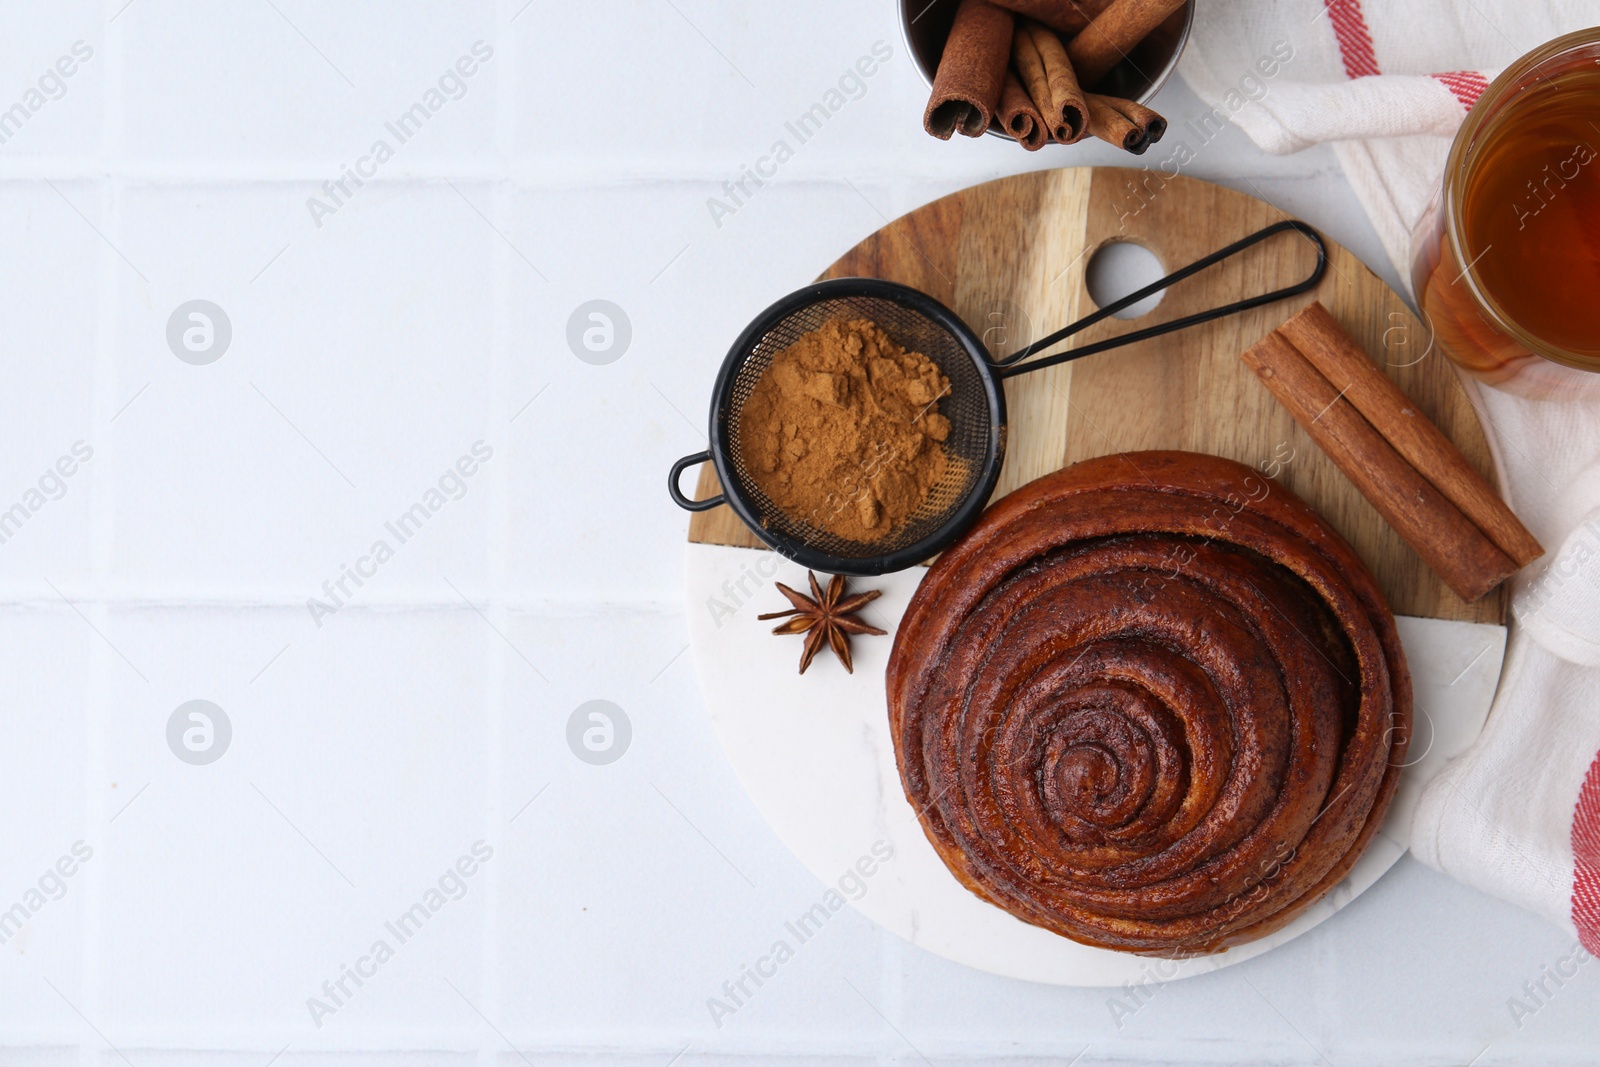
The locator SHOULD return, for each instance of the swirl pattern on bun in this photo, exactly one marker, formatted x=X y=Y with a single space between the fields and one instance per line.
x=1151 y=702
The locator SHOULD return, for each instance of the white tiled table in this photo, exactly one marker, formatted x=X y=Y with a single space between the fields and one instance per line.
x=371 y=752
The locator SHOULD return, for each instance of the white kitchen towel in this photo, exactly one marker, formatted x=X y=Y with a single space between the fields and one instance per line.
x=1388 y=83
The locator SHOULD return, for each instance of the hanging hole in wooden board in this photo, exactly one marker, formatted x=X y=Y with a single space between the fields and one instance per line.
x=1120 y=268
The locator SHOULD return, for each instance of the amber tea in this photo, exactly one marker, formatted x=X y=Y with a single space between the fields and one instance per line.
x=1532 y=213
x=1508 y=262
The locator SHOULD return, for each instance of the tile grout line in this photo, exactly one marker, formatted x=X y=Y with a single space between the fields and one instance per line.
x=168 y=600
x=553 y=173
x=102 y=535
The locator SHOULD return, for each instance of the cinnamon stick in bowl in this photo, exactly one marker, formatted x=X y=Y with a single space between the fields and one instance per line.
x=1065 y=16
x=1020 y=116
x=1124 y=123
x=1113 y=33
x=972 y=71
x=1151 y=124
x=1041 y=60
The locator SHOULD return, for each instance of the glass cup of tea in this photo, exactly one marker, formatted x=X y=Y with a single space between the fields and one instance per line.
x=1506 y=260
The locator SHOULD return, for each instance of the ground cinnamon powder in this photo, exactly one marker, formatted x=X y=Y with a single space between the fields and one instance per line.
x=843 y=432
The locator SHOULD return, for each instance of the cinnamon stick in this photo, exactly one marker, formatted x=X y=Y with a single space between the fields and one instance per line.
x=1064 y=16
x=1110 y=125
x=972 y=71
x=1338 y=357
x=1113 y=33
x=1065 y=110
x=1020 y=117
x=1028 y=66
x=1152 y=127
x=1460 y=553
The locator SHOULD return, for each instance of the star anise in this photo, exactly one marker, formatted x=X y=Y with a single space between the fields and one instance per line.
x=824 y=618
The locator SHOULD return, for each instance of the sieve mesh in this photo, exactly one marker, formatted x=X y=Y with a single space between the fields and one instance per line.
x=966 y=405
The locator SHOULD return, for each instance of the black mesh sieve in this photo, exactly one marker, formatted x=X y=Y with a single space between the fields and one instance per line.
x=975 y=403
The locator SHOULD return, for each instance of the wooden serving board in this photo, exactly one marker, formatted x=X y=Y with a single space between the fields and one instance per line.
x=1012 y=254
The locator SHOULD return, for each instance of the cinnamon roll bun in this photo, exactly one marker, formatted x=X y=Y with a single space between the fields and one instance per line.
x=1151 y=702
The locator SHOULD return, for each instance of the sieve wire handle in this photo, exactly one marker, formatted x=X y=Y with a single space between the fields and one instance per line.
x=1010 y=370
x=677 y=493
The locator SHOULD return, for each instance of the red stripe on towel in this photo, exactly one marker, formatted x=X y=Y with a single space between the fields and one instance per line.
x=1355 y=39
x=1586 y=860
x=1467 y=85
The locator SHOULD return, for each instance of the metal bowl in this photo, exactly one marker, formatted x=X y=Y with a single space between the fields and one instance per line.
x=925 y=26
